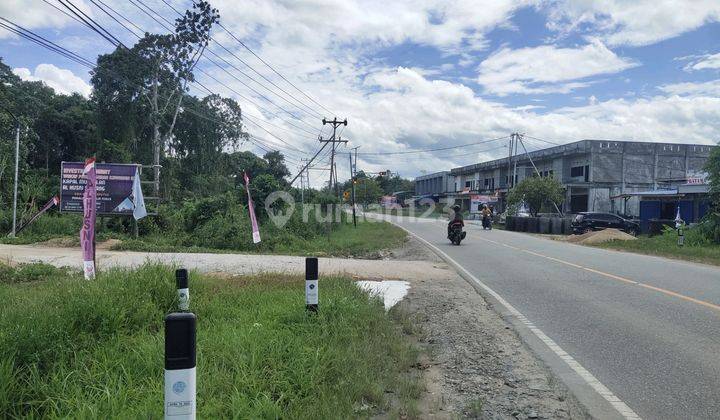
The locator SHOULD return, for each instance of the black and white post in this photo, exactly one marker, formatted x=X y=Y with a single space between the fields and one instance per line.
x=183 y=292
x=311 y=284
x=180 y=387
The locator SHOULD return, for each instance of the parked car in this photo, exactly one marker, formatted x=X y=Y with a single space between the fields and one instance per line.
x=587 y=222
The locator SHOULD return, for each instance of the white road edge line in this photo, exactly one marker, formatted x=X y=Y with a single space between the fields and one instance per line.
x=622 y=408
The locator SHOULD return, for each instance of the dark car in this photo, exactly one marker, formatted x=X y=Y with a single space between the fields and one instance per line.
x=587 y=222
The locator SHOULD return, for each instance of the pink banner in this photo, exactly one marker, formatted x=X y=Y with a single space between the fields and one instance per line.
x=251 y=208
x=87 y=232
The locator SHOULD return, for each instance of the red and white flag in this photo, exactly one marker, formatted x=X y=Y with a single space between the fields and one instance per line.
x=87 y=232
x=251 y=208
x=52 y=203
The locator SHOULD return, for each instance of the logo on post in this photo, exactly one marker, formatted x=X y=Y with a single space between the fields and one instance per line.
x=312 y=286
x=275 y=209
x=178 y=387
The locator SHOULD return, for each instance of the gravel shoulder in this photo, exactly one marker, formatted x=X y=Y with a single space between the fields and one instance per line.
x=475 y=365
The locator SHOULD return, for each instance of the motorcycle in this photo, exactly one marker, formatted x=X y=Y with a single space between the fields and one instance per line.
x=486 y=222
x=456 y=233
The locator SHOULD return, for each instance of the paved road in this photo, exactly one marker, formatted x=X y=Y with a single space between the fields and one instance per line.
x=648 y=328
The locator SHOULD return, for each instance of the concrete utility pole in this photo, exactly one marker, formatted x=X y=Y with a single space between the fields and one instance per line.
x=519 y=138
x=17 y=165
x=15 y=186
x=353 y=180
x=334 y=140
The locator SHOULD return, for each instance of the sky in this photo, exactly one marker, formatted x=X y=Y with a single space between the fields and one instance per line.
x=426 y=74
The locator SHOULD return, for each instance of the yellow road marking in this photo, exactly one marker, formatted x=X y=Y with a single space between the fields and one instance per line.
x=619 y=278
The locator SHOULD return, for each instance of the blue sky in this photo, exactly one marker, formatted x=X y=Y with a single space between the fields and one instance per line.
x=411 y=75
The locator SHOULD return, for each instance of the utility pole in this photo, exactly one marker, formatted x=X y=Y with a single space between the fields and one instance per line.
x=334 y=141
x=519 y=137
x=302 y=184
x=17 y=164
x=15 y=186
x=352 y=185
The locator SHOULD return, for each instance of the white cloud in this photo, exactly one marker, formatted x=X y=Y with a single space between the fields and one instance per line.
x=548 y=68
x=400 y=109
x=705 y=62
x=62 y=80
x=689 y=88
x=631 y=22
x=36 y=14
x=446 y=25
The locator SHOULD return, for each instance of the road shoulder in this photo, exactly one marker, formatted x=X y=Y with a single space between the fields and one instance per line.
x=475 y=365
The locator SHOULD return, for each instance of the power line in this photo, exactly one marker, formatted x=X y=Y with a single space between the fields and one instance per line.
x=226 y=86
x=273 y=69
x=434 y=149
x=249 y=66
x=29 y=35
x=147 y=11
x=91 y=23
x=145 y=6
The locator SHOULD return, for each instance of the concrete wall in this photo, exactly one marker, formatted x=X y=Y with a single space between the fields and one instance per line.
x=436 y=183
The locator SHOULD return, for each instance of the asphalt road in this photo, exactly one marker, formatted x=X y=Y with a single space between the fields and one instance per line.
x=646 y=327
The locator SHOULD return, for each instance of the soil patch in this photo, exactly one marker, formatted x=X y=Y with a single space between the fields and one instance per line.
x=600 y=236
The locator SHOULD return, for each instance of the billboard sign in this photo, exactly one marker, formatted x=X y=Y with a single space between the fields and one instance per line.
x=477 y=202
x=114 y=187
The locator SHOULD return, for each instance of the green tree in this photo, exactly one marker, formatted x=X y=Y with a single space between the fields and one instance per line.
x=367 y=191
x=156 y=70
x=536 y=191
x=276 y=166
x=710 y=226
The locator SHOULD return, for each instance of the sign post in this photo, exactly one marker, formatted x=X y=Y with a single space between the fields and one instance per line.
x=311 y=284
x=180 y=375
x=114 y=188
x=181 y=280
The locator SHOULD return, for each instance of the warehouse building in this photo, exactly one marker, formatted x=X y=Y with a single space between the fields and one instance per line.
x=599 y=175
x=436 y=185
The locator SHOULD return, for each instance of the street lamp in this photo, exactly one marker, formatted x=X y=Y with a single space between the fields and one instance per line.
x=17 y=162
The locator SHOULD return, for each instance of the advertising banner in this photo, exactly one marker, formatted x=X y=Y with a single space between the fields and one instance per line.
x=251 y=208
x=477 y=202
x=87 y=232
x=114 y=187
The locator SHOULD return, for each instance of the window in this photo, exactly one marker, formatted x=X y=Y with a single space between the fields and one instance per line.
x=577 y=171
x=468 y=184
x=587 y=173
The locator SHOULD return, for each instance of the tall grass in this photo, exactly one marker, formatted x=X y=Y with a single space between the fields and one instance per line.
x=94 y=349
x=697 y=246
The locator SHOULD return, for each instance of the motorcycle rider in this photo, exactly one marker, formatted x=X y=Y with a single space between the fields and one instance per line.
x=456 y=218
x=486 y=215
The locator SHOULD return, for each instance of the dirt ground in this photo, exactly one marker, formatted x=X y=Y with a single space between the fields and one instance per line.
x=475 y=365
x=600 y=236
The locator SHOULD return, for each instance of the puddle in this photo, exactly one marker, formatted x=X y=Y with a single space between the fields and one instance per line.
x=391 y=291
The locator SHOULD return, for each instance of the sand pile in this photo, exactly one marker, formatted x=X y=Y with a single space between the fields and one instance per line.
x=600 y=236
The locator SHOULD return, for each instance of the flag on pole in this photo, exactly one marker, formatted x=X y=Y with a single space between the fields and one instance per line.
x=87 y=232
x=53 y=202
x=251 y=208
x=139 y=210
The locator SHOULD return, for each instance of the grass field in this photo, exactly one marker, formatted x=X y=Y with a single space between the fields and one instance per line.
x=344 y=240
x=94 y=349
x=695 y=249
